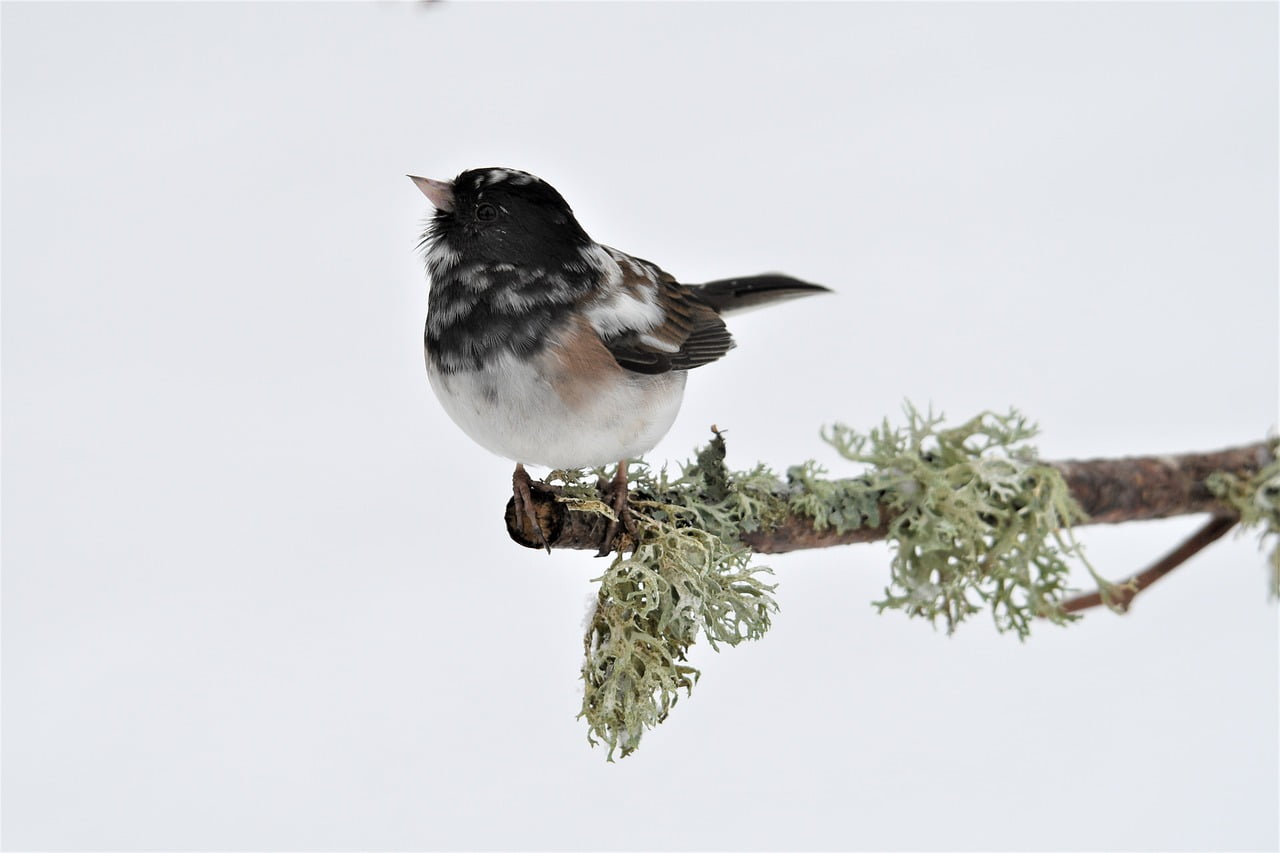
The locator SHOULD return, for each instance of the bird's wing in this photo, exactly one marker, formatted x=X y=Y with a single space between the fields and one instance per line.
x=651 y=323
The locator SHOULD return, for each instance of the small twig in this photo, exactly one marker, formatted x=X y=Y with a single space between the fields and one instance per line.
x=1127 y=590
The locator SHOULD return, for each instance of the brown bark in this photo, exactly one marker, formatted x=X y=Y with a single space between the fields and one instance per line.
x=1126 y=591
x=1109 y=490
x=1138 y=488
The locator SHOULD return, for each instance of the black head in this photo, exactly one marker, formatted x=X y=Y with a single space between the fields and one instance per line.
x=503 y=216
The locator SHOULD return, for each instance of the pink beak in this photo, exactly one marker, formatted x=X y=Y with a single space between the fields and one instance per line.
x=439 y=193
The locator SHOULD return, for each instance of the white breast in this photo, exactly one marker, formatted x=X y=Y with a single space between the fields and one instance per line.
x=513 y=408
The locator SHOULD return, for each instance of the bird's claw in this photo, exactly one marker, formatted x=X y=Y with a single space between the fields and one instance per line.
x=525 y=508
x=615 y=494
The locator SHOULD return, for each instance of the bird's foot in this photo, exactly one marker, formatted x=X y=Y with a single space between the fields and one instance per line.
x=614 y=493
x=525 y=508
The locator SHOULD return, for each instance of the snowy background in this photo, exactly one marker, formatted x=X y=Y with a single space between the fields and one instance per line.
x=256 y=589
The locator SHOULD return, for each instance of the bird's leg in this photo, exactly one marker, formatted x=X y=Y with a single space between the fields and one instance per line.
x=522 y=495
x=614 y=493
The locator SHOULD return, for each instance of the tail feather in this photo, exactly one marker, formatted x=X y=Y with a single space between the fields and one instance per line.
x=738 y=294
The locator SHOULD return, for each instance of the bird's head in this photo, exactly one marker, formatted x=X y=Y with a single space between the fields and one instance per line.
x=505 y=216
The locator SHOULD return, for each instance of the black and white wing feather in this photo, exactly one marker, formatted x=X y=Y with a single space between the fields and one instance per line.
x=653 y=324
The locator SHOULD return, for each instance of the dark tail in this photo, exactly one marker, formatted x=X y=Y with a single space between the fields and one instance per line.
x=739 y=294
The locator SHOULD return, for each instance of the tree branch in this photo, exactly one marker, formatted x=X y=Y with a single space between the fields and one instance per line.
x=1110 y=491
x=978 y=524
x=1126 y=591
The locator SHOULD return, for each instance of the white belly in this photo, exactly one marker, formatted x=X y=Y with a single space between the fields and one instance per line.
x=514 y=410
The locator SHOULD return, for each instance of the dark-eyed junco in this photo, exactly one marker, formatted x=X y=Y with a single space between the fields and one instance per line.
x=549 y=348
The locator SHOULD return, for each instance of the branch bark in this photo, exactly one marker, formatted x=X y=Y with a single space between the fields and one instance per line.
x=1110 y=491
x=1126 y=591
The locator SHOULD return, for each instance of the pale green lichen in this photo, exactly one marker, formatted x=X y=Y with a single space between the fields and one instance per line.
x=1258 y=502
x=977 y=522
x=848 y=504
x=650 y=608
x=687 y=574
x=974 y=520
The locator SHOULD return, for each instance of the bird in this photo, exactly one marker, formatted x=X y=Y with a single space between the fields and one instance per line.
x=551 y=349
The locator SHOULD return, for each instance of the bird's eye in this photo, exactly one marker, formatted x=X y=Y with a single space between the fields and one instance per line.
x=486 y=213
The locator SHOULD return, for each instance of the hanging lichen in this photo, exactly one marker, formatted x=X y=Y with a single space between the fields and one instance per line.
x=977 y=521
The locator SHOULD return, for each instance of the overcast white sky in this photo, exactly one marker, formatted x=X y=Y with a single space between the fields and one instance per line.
x=256 y=589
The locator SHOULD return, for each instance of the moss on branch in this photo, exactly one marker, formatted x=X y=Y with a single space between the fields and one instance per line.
x=975 y=521
x=1257 y=500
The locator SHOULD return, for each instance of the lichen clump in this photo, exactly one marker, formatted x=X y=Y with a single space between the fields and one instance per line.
x=687 y=574
x=975 y=521
x=1258 y=502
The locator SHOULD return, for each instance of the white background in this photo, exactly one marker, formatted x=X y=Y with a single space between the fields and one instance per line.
x=257 y=592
